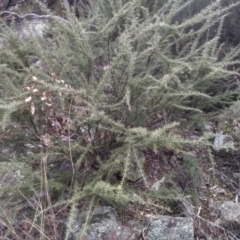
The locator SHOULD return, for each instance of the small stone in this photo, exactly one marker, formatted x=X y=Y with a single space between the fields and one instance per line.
x=208 y=128
x=219 y=141
x=236 y=175
x=221 y=191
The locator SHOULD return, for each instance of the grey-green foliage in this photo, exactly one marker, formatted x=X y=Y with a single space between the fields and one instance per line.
x=191 y=166
x=127 y=64
x=16 y=179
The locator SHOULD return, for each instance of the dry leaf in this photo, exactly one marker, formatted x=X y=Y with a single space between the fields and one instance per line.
x=44 y=96
x=35 y=90
x=32 y=108
x=53 y=76
x=28 y=99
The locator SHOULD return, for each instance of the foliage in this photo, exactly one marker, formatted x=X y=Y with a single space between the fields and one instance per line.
x=96 y=92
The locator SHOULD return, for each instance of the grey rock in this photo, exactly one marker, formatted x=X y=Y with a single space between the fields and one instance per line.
x=230 y=211
x=236 y=175
x=102 y=221
x=130 y=232
x=228 y=214
x=222 y=141
x=34 y=27
x=170 y=228
x=103 y=225
x=219 y=141
x=220 y=191
x=228 y=131
x=208 y=128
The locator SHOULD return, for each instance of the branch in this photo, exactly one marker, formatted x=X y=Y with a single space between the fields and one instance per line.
x=33 y=15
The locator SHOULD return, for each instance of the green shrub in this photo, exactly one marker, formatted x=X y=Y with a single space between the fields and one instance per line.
x=94 y=93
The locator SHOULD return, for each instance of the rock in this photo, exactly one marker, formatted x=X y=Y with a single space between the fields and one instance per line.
x=236 y=175
x=229 y=216
x=219 y=141
x=222 y=141
x=104 y=225
x=103 y=221
x=220 y=191
x=208 y=128
x=228 y=131
x=33 y=27
x=24 y=29
x=170 y=228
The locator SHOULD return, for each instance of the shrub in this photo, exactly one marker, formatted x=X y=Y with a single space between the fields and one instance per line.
x=92 y=95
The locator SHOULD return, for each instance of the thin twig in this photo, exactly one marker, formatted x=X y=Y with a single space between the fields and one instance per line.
x=144 y=232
